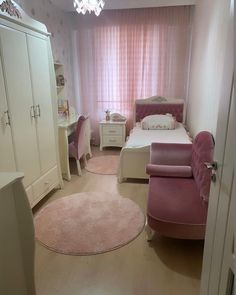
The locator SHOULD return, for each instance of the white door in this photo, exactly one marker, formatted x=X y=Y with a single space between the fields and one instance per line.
x=228 y=269
x=221 y=196
x=7 y=159
x=20 y=102
x=219 y=244
x=226 y=199
x=39 y=67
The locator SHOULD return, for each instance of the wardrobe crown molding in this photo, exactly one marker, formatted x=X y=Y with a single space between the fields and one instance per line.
x=11 y=11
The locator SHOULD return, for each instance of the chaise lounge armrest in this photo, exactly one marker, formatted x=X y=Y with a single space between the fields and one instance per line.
x=169 y=170
x=171 y=154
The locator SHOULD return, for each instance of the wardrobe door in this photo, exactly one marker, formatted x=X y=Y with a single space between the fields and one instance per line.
x=19 y=95
x=7 y=160
x=39 y=67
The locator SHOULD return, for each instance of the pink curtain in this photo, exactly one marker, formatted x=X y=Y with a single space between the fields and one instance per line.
x=125 y=55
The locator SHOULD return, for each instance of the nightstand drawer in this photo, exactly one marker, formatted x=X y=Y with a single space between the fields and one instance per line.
x=112 y=140
x=112 y=130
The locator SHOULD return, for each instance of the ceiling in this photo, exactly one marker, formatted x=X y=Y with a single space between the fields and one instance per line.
x=67 y=5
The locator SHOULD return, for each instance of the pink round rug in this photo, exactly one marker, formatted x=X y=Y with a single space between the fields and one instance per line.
x=107 y=165
x=88 y=223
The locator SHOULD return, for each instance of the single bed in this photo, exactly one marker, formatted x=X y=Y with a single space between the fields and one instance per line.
x=135 y=154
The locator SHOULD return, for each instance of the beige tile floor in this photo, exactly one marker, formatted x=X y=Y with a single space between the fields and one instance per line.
x=163 y=267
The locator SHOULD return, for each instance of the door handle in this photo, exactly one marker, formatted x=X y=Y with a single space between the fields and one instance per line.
x=8 y=122
x=38 y=112
x=32 y=112
x=212 y=166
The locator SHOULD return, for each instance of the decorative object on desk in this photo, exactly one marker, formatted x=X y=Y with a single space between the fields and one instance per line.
x=106 y=165
x=88 y=223
x=72 y=111
x=63 y=107
x=108 y=115
x=60 y=80
x=116 y=117
x=82 y=6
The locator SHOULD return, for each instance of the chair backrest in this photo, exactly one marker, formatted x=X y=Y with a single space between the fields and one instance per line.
x=80 y=135
x=202 y=151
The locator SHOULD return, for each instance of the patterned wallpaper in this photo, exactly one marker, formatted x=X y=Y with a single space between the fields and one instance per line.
x=59 y=25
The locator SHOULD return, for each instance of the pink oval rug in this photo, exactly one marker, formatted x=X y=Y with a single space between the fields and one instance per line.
x=107 y=165
x=88 y=223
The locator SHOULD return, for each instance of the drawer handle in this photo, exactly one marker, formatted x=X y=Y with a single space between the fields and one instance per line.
x=112 y=140
x=112 y=131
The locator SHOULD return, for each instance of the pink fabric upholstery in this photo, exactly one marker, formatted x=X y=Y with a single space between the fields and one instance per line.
x=177 y=231
x=177 y=206
x=77 y=147
x=174 y=204
x=169 y=170
x=171 y=154
x=143 y=110
x=203 y=149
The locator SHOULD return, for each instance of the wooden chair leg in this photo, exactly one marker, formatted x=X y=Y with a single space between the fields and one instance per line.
x=79 y=168
x=149 y=232
x=85 y=160
x=90 y=152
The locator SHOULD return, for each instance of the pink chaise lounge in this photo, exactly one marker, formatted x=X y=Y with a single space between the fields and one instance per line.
x=179 y=188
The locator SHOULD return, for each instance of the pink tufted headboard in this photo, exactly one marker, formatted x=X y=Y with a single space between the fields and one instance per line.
x=154 y=108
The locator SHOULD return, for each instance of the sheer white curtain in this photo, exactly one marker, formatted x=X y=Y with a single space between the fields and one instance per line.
x=124 y=55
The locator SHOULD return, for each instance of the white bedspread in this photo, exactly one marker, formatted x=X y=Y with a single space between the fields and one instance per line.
x=143 y=138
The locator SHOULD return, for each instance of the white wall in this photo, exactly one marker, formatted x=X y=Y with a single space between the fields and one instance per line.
x=59 y=25
x=211 y=22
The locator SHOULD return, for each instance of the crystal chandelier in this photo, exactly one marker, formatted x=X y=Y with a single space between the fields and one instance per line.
x=82 y=6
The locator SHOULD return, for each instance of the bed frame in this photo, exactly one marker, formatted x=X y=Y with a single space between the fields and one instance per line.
x=133 y=161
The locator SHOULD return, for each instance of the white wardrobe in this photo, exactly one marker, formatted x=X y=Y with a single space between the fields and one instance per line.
x=28 y=130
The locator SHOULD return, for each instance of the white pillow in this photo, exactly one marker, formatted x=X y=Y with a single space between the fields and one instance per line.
x=163 y=122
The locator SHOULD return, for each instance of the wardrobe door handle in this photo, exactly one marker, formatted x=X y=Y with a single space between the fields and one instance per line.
x=38 y=113
x=32 y=112
x=8 y=122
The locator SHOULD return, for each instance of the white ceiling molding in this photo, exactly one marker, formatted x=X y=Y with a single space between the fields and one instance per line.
x=67 y=5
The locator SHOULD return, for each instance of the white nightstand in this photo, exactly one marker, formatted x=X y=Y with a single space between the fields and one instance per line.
x=112 y=133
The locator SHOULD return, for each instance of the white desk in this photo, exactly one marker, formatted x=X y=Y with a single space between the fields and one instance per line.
x=66 y=127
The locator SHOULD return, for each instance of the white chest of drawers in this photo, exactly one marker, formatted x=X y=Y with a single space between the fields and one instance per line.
x=112 y=133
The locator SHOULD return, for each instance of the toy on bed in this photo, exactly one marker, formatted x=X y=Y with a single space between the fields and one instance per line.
x=136 y=153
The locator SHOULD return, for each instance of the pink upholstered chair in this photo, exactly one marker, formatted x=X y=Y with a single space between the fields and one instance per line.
x=179 y=188
x=78 y=143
